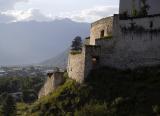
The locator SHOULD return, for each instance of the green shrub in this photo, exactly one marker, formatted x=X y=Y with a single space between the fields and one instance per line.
x=107 y=37
x=65 y=75
x=92 y=110
x=156 y=109
x=75 y=52
x=63 y=100
x=106 y=91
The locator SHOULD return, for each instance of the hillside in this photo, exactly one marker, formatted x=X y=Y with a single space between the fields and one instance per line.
x=106 y=92
x=34 y=42
x=58 y=61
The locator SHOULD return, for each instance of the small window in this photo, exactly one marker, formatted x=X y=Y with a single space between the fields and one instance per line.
x=102 y=34
x=151 y=24
x=49 y=75
x=95 y=62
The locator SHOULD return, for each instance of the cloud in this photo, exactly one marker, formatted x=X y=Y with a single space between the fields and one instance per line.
x=18 y=14
x=9 y=4
x=6 y=19
x=90 y=15
x=5 y=6
x=27 y=15
x=38 y=16
x=86 y=15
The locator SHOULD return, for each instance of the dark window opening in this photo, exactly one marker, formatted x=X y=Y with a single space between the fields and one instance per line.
x=49 y=75
x=151 y=24
x=95 y=62
x=102 y=34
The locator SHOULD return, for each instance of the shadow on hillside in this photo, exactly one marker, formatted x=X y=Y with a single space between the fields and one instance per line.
x=140 y=88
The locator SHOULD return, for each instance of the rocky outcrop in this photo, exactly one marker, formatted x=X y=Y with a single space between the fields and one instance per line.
x=54 y=80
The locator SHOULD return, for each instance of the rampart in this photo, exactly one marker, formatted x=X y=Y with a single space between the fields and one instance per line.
x=53 y=81
x=129 y=6
x=76 y=66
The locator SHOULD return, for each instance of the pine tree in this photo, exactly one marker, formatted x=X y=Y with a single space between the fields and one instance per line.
x=77 y=44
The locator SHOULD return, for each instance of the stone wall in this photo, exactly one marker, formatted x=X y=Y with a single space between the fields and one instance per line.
x=76 y=66
x=136 y=43
x=116 y=26
x=107 y=51
x=105 y=25
x=127 y=6
x=142 y=22
x=92 y=58
x=142 y=47
x=79 y=65
x=53 y=81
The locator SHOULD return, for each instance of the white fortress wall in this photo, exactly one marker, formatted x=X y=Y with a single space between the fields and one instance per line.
x=76 y=64
x=127 y=6
x=137 y=47
x=132 y=47
x=144 y=22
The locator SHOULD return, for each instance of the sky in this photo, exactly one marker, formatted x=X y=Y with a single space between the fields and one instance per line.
x=35 y=39
x=48 y=10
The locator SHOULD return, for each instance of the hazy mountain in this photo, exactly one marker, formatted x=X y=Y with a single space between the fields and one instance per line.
x=59 y=61
x=33 y=42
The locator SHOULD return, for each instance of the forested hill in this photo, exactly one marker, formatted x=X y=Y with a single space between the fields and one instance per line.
x=106 y=92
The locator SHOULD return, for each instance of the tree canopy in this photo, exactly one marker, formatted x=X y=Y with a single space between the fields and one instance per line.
x=77 y=43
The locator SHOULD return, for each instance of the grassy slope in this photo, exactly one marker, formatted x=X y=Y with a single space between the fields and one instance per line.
x=106 y=92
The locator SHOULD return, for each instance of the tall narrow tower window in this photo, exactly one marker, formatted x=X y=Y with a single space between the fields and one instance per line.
x=95 y=62
x=102 y=34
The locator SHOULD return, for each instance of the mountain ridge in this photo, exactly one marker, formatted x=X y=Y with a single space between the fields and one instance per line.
x=32 y=42
x=59 y=61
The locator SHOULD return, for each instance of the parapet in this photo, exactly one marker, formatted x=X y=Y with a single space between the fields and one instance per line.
x=101 y=28
x=102 y=21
